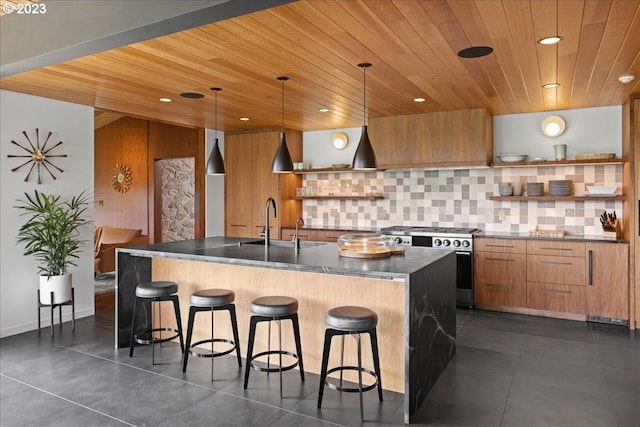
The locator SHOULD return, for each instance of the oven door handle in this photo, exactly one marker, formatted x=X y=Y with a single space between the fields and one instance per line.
x=463 y=253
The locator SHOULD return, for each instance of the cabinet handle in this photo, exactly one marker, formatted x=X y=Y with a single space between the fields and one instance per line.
x=590 y=279
x=555 y=263
x=500 y=246
x=501 y=259
x=556 y=291
x=237 y=225
x=557 y=249
x=500 y=286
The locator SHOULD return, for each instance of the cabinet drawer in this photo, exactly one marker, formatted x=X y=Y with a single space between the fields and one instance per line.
x=550 y=297
x=500 y=292
x=510 y=267
x=288 y=233
x=556 y=269
x=332 y=235
x=557 y=248
x=500 y=245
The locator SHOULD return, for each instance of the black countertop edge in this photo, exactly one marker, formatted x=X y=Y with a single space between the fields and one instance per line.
x=320 y=258
x=568 y=238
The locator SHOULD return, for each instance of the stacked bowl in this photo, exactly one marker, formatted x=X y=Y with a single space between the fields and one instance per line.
x=560 y=187
x=535 y=189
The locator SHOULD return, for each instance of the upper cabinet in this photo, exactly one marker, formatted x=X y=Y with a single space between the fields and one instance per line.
x=441 y=139
x=249 y=182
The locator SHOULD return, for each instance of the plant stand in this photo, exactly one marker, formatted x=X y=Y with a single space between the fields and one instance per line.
x=71 y=302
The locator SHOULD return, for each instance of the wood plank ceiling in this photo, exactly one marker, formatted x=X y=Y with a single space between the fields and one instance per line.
x=412 y=45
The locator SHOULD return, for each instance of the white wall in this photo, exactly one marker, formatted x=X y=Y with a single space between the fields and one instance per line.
x=73 y=124
x=214 y=190
x=589 y=130
x=319 y=153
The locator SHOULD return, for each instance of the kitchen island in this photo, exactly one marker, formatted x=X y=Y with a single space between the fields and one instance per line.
x=413 y=294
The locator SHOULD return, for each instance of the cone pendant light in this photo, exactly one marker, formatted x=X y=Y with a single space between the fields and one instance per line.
x=215 y=164
x=282 y=160
x=364 y=158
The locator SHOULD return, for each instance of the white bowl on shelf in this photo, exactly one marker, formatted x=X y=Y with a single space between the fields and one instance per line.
x=601 y=189
x=510 y=158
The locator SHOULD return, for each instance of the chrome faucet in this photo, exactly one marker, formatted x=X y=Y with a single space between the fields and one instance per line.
x=296 y=239
x=266 y=219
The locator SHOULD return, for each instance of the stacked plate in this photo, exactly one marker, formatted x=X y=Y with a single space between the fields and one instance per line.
x=560 y=187
x=535 y=189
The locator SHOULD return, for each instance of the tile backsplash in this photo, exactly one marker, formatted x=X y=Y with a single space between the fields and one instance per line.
x=459 y=198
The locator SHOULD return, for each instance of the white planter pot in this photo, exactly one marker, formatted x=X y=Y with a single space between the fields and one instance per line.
x=60 y=285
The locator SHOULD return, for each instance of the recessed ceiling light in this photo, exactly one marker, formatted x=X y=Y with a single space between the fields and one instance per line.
x=550 y=40
x=166 y=100
x=419 y=99
x=626 y=78
x=324 y=110
x=475 y=52
x=192 y=95
x=244 y=119
x=550 y=85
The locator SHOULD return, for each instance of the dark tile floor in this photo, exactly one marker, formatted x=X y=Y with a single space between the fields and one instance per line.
x=510 y=370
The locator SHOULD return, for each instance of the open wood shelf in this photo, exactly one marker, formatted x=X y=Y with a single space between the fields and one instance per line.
x=615 y=161
x=331 y=170
x=375 y=197
x=555 y=198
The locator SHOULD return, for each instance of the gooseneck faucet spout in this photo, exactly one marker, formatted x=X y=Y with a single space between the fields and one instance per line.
x=266 y=219
x=296 y=239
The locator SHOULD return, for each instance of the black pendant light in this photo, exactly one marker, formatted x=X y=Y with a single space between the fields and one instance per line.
x=364 y=158
x=282 y=160
x=215 y=164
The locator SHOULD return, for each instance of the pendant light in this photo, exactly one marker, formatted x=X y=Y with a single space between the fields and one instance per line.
x=215 y=164
x=282 y=160
x=364 y=158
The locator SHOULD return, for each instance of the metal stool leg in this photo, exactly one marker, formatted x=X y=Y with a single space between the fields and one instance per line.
x=236 y=337
x=176 y=308
x=133 y=326
x=296 y=336
x=252 y=334
x=376 y=359
x=185 y=356
x=357 y=337
x=280 y=352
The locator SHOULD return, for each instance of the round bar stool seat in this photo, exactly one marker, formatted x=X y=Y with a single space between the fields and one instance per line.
x=267 y=309
x=156 y=291
x=212 y=297
x=212 y=300
x=350 y=320
x=274 y=306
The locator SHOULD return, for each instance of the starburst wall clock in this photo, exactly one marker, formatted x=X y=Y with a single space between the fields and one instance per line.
x=38 y=156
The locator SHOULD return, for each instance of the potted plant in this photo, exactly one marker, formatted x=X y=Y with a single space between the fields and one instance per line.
x=52 y=235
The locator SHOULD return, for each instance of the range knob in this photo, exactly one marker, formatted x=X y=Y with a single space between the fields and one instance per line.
x=446 y=242
x=456 y=243
x=397 y=240
x=437 y=242
x=465 y=243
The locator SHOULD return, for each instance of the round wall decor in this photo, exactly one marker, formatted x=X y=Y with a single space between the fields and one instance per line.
x=121 y=178
x=37 y=155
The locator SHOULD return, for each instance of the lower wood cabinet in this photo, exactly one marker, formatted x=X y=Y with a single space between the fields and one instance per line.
x=607 y=289
x=555 y=297
x=553 y=276
x=287 y=233
x=500 y=279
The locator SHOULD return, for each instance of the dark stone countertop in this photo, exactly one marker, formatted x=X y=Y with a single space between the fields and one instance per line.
x=311 y=257
x=568 y=238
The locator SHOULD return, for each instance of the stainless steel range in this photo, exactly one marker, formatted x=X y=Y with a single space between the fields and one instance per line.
x=458 y=239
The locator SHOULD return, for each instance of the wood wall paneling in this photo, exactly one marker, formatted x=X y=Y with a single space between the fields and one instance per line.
x=121 y=142
x=168 y=141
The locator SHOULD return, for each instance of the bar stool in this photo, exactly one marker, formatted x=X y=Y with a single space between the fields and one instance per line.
x=267 y=309
x=155 y=292
x=212 y=300
x=350 y=320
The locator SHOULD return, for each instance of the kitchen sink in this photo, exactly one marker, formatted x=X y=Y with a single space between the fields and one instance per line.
x=285 y=243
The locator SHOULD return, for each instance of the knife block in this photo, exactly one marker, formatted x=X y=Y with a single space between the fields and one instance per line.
x=617 y=234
